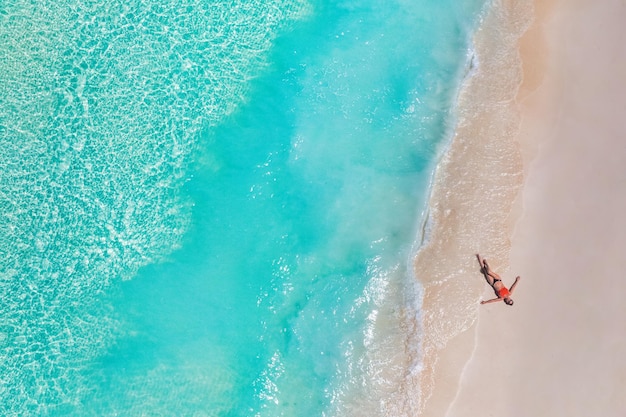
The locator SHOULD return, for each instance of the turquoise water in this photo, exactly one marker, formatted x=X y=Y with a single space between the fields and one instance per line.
x=206 y=205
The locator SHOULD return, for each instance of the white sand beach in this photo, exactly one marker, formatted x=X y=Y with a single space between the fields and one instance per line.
x=559 y=350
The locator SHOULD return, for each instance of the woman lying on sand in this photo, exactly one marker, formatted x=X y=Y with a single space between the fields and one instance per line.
x=495 y=281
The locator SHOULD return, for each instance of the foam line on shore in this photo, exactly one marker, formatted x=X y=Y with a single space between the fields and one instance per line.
x=474 y=187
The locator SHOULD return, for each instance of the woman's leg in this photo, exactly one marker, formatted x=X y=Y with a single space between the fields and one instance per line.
x=489 y=272
x=484 y=268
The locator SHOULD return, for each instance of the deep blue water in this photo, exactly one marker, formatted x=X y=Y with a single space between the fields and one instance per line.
x=205 y=204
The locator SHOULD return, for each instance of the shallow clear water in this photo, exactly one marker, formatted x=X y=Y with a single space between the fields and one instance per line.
x=206 y=205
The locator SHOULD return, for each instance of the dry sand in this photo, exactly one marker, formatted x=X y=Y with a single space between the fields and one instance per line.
x=560 y=350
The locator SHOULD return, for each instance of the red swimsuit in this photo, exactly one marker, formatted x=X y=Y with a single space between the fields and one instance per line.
x=503 y=292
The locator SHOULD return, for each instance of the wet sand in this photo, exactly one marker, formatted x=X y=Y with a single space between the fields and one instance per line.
x=470 y=208
x=559 y=349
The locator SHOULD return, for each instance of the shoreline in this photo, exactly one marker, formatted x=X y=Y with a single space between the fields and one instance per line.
x=470 y=209
x=554 y=352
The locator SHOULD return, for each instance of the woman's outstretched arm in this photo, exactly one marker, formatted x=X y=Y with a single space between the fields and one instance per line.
x=493 y=300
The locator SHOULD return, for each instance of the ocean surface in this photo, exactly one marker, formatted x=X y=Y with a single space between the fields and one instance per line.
x=210 y=208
